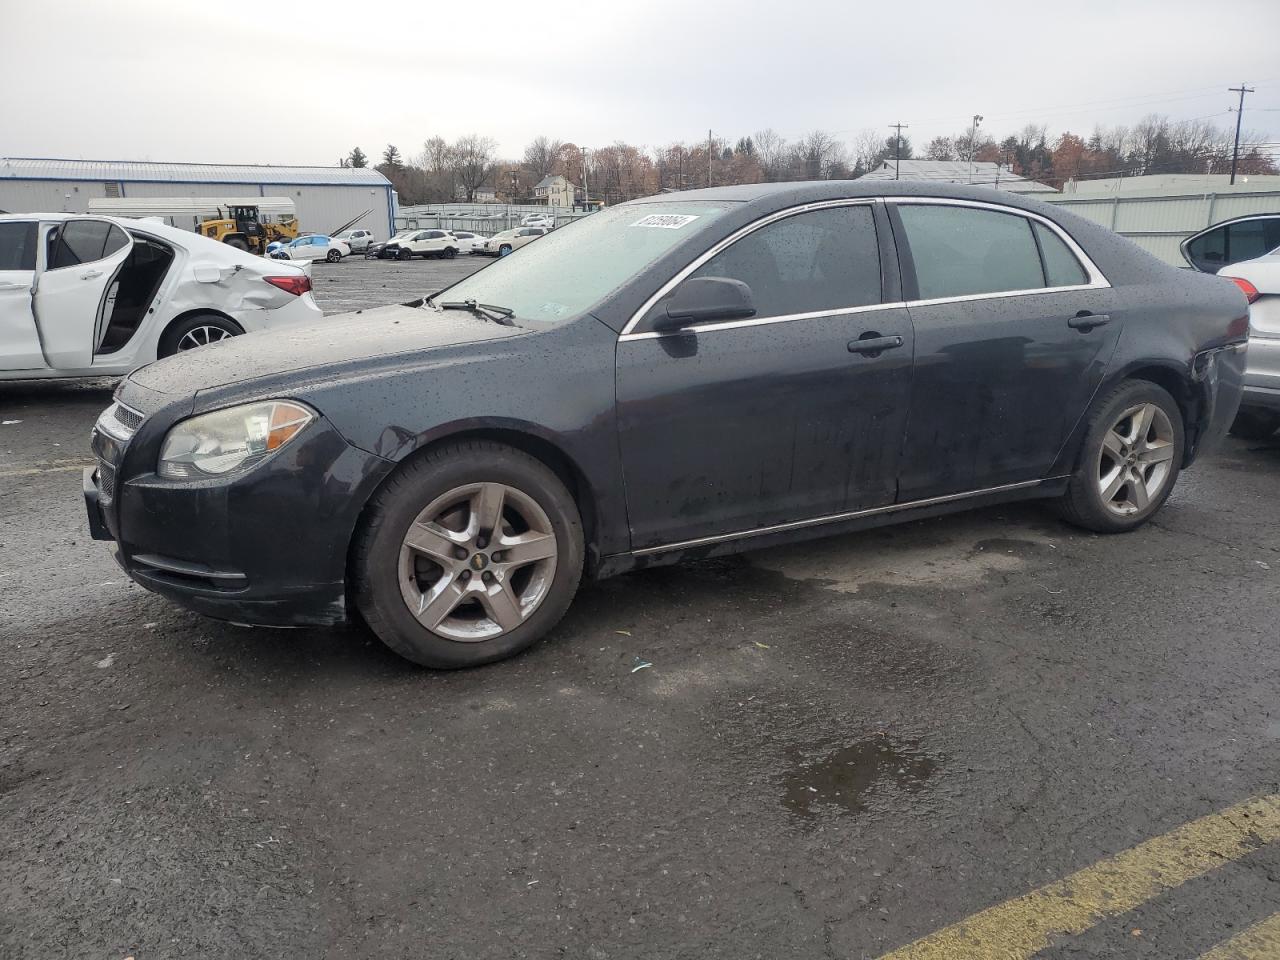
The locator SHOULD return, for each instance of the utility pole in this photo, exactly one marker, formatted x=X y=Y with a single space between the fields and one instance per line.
x=708 y=158
x=973 y=142
x=897 y=145
x=1235 y=150
x=586 y=194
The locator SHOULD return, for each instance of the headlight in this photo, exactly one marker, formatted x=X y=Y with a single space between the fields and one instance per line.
x=217 y=443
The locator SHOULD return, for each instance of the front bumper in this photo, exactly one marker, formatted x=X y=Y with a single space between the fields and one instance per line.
x=268 y=546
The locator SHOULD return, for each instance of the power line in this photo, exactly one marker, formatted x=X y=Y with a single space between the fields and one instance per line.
x=1235 y=150
x=897 y=152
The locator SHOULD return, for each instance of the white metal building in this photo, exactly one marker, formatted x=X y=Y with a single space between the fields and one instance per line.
x=1158 y=220
x=325 y=197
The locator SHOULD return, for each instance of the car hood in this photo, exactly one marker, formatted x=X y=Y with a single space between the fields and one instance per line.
x=341 y=342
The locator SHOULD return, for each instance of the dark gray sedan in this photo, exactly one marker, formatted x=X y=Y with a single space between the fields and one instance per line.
x=681 y=376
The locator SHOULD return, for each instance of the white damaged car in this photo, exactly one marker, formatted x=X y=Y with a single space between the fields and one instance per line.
x=100 y=296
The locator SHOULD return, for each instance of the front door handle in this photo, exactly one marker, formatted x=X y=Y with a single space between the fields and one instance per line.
x=91 y=275
x=873 y=345
x=1084 y=320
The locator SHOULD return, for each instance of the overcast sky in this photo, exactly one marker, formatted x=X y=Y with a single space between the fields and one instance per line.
x=303 y=81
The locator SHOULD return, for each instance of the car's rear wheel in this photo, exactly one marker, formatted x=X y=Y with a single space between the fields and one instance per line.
x=1255 y=424
x=196 y=331
x=333 y=256
x=1130 y=459
x=469 y=554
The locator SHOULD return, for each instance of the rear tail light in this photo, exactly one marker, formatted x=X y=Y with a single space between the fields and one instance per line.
x=1248 y=289
x=295 y=285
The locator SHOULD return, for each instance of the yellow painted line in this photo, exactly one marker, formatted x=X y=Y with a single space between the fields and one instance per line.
x=1259 y=942
x=34 y=471
x=1019 y=928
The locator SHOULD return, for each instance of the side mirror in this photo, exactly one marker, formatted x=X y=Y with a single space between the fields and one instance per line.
x=703 y=300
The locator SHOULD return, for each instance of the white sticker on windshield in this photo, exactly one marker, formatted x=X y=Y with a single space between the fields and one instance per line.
x=665 y=221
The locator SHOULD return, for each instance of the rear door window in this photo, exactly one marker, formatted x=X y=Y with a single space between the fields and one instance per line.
x=812 y=262
x=963 y=251
x=18 y=245
x=84 y=241
x=1061 y=268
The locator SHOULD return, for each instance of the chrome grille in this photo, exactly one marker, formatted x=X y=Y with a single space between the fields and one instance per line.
x=106 y=480
x=131 y=419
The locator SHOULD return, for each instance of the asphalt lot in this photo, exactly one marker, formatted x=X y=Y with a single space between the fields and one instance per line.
x=837 y=748
x=358 y=284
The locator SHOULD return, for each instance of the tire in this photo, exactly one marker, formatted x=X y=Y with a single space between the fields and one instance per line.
x=389 y=575
x=238 y=244
x=333 y=256
x=1255 y=425
x=404 y=254
x=195 y=331
x=504 y=249
x=1138 y=467
x=450 y=253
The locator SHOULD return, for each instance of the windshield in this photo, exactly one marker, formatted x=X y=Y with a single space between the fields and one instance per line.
x=569 y=270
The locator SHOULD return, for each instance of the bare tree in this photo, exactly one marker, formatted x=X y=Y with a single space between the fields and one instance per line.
x=473 y=162
x=771 y=151
x=541 y=156
x=940 y=148
x=868 y=146
x=816 y=155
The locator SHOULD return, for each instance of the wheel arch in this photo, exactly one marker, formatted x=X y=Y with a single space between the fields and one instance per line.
x=195 y=312
x=1174 y=378
x=519 y=437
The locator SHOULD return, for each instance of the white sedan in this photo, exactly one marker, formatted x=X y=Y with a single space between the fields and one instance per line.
x=470 y=242
x=86 y=296
x=314 y=247
x=1259 y=280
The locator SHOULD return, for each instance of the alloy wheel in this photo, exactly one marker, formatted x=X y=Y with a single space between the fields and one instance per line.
x=203 y=335
x=1135 y=461
x=477 y=562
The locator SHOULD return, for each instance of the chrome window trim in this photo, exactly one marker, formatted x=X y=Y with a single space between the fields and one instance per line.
x=837 y=517
x=759 y=321
x=1097 y=279
x=729 y=241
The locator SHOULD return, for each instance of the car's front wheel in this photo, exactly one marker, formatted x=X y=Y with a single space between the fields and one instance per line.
x=404 y=254
x=504 y=249
x=469 y=554
x=1130 y=459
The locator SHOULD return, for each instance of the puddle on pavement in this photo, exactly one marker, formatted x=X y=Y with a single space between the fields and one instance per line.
x=845 y=780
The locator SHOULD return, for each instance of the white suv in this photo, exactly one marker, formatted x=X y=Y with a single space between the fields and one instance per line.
x=424 y=243
x=357 y=240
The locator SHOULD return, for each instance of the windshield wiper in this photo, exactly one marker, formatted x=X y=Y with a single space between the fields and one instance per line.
x=497 y=314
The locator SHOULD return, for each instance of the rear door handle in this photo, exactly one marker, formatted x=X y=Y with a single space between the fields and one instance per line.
x=1087 y=321
x=874 y=345
x=91 y=275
